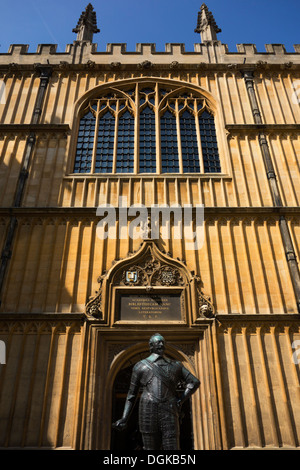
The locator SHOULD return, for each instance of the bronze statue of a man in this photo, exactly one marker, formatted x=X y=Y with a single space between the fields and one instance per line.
x=159 y=407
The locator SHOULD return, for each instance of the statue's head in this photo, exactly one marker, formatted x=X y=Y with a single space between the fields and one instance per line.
x=157 y=344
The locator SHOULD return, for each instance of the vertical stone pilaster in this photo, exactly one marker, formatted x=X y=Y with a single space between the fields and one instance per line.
x=45 y=74
x=285 y=233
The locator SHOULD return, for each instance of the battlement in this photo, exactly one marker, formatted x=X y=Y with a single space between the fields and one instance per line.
x=209 y=52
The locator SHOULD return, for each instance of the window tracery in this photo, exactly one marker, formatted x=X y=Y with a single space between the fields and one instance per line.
x=149 y=128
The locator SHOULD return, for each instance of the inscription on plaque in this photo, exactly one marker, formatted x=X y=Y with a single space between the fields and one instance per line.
x=152 y=307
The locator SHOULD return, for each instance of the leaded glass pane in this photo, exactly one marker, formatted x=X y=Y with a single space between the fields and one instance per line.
x=147 y=141
x=209 y=143
x=125 y=146
x=169 y=146
x=189 y=144
x=105 y=144
x=85 y=143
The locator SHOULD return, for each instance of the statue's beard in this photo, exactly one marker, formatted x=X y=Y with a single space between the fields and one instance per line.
x=160 y=351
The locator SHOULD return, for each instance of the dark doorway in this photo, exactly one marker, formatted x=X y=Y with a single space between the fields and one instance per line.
x=131 y=439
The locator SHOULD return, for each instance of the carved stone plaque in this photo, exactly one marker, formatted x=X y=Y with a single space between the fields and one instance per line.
x=150 y=307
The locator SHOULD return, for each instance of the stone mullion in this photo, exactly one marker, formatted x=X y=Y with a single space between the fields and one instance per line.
x=201 y=161
x=157 y=131
x=115 y=151
x=179 y=138
x=136 y=131
x=93 y=163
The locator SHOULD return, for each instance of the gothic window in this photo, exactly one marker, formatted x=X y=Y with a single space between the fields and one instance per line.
x=147 y=129
x=169 y=145
x=189 y=143
x=85 y=144
x=105 y=143
x=209 y=143
x=147 y=153
x=125 y=144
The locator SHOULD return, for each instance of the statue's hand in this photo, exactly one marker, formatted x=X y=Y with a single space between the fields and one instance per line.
x=120 y=425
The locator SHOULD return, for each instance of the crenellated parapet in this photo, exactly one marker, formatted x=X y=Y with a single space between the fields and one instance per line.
x=81 y=53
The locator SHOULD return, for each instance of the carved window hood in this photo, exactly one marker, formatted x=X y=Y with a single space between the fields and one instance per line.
x=149 y=286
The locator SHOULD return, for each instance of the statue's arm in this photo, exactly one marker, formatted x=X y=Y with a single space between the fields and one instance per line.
x=192 y=383
x=130 y=399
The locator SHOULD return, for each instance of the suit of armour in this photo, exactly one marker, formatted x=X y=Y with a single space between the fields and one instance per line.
x=159 y=409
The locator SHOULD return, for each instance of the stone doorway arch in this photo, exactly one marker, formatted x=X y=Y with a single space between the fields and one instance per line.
x=131 y=440
x=120 y=367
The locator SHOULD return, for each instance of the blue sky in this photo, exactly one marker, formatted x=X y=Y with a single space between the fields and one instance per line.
x=36 y=22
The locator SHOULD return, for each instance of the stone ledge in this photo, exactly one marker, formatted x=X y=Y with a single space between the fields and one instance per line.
x=267 y=128
x=75 y=212
x=40 y=316
x=35 y=128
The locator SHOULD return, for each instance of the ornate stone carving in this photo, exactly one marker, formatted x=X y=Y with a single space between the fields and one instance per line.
x=174 y=64
x=93 y=307
x=205 y=306
x=146 y=64
x=149 y=268
x=115 y=65
x=150 y=272
x=91 y=64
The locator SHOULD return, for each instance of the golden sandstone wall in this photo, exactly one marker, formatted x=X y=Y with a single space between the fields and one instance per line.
x=242 y=248
x=57 y=256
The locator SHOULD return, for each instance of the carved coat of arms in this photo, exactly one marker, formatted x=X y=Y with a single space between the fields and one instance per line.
x=167 y=277
x=131 y=276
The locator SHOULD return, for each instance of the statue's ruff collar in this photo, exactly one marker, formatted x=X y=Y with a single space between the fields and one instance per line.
x=154 y=357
